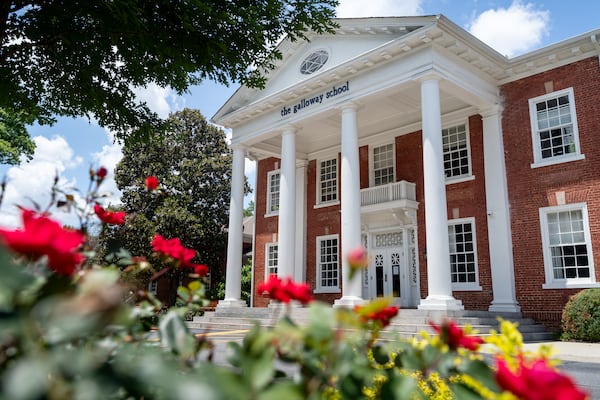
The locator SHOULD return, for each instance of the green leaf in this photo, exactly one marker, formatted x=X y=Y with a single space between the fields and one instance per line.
x=464 y=392
x=281 y=391
x=400 y=387
x=380 y=355
x=175 y=335
x=481 y=371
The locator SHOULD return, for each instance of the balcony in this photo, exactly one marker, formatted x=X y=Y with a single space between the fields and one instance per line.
x=389 y=204
x=391 y=192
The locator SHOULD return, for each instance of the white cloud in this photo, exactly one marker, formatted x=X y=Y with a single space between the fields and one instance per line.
x=513 y=30
x=378 y=8
x=108 y=157
x=31 y=182
x=160 y=100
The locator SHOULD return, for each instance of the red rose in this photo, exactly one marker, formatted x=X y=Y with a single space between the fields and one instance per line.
x=151 y=182
x=455 y=337
x=42 y=236
x=174 y=249
x=536 y=381
x=285 y=291
x=101 y=172
x=377 y=311
x=110 y=217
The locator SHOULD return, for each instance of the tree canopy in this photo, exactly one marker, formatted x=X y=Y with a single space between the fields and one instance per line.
x=85 y=58
x=193 y=165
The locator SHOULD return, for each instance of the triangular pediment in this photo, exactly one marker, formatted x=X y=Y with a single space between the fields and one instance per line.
x=353 y=39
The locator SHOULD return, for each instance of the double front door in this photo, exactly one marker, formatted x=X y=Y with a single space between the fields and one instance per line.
x=388 y=275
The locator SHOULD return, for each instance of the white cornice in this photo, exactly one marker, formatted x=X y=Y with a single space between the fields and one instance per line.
x=414 y=33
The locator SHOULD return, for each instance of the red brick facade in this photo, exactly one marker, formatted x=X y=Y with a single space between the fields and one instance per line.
x=532 y=188
x=529 y=189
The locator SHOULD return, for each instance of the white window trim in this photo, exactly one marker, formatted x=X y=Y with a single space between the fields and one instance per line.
x=318 y=202
x=468 y=286
x=326 y=289
x=537 y=152
x=567 y=283
x=267 y=246
x=371 y=160
x=270 y=213
x=469 y=176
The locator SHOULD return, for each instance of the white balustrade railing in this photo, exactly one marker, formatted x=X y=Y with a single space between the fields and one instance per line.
x=402 y=190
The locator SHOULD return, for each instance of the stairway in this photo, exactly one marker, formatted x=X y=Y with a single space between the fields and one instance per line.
x=408 y=322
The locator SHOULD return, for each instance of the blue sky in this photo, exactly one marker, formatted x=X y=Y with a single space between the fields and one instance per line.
x=73 y=145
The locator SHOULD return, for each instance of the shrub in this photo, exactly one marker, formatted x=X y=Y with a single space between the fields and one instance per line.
x=581 y=317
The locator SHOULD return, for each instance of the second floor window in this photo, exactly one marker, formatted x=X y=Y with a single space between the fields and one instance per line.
x=328 y=181
x=554 y=128
x=455 y=143
x=273 y=192
x=383 y=164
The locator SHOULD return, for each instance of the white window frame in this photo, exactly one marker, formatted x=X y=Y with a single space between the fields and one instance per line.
x=270 y=211
x=469 y=175
x=466 y=286
x=372 y=162
x=319 y=287
x=319 y=200
x=566 y=283
x=268 y=259
x=538 y=161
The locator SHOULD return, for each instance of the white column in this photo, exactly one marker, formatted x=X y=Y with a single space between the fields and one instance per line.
x=300 y=261
x=287 y=205
x=436 y=216
x=498 y=221
x=233 y=274
x=350 y=205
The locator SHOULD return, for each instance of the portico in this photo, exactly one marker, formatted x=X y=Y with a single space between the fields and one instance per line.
x=395 y=79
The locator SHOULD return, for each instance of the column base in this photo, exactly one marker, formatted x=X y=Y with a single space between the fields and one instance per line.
x=231 y=303
x=500 y=307
x=348 y=301
x=440 y=303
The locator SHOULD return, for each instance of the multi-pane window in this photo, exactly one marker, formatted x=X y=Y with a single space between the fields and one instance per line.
x=463 y=257
x=456 y=151
x=273 y=182
x=328 y=180
x=567 y=244
x=328 y=268
x=383 y=165
x=271 y=259
x=554 y=126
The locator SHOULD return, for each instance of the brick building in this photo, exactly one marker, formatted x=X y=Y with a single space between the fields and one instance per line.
x=472 y=179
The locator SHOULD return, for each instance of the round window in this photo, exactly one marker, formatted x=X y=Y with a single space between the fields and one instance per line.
x=314 y=62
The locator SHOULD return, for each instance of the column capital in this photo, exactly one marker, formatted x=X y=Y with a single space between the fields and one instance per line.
x=348 y=106
x=429 y=75
x=496 y=109
x=238 y=146
x=288 y=129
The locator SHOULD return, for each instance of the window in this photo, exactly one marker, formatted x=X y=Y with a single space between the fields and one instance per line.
x=314 y=62
x=271 y=259
x=328 y=269
x=327 y=189
x=567 y=246
x=463 y=256
x=456 y=152
x=383 y=165
x=153 y=286
x=554 y=128
x=273 y=178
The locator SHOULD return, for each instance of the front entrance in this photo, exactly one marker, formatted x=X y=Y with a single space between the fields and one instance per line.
x=388 y=268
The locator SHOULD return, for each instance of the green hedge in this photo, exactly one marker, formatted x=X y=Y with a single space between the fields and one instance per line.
x=581 y=317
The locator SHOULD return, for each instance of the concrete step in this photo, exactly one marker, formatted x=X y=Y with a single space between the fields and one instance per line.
x=408 y=323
